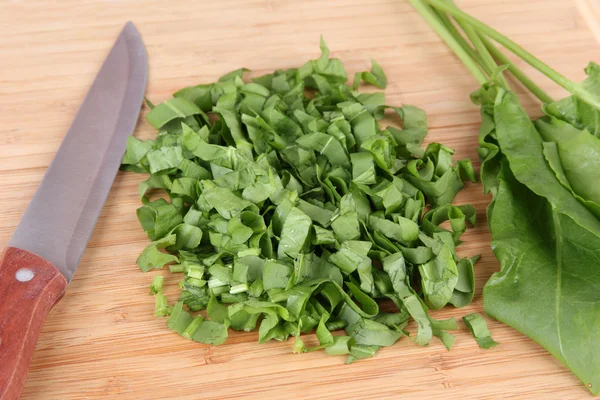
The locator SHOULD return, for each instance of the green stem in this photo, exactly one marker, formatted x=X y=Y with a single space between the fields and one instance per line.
x=516 y=71
x=461 y=40
x=571 y=86
x=487 y=59
x=441 y=30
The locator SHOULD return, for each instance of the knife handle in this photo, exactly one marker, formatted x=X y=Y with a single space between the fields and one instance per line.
x=29 y=287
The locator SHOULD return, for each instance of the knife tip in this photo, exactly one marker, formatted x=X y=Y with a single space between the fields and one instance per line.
x=130 y=26
x=134 y=39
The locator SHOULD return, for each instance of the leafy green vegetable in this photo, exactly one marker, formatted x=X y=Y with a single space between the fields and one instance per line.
x=544 y=217
x=479 y=330
x=211 y=332
x=161 y=307
x=180 y=319
x=177 y=108
x=291 y=213
x=157 y=284
x=375 y=77
x=152 y=257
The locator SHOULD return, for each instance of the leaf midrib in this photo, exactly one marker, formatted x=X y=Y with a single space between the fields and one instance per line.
x=558 y=290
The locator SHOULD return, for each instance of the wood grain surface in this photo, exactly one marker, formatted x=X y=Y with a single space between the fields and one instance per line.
x=102 y=340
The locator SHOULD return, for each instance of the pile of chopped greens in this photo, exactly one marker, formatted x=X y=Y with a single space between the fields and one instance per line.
x=289 y=208
x=543 y=174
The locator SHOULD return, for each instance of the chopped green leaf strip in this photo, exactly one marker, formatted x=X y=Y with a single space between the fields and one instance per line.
x=479 y=330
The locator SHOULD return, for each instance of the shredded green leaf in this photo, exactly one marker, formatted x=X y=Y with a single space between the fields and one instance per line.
x=479 y=330
x=290 y=211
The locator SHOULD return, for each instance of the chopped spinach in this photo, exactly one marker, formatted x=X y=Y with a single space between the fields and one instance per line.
x=290 y=209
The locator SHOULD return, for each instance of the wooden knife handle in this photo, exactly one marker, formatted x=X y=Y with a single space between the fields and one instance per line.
x=29 y=287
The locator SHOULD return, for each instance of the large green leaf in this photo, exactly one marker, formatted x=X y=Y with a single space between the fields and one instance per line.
x=547 y=287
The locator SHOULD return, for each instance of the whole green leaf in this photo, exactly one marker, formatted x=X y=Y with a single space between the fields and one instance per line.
x=522 y=145
x=579 y=153
x=555 y=261
x=576 y=111
x=552 y=156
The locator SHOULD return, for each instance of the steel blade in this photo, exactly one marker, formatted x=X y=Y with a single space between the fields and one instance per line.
x=61 y=217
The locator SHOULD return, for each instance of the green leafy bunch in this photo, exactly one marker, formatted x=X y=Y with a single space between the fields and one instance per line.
x=543 y=174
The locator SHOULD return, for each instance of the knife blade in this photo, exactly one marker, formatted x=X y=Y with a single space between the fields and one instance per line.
x=48 y=243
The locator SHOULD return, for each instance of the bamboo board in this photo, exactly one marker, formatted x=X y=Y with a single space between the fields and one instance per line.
x=102 y=341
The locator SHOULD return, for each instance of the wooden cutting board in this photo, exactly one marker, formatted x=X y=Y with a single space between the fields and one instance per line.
x=102 y=341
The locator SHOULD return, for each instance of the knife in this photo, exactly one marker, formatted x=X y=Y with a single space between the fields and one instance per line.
x=46 y=247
